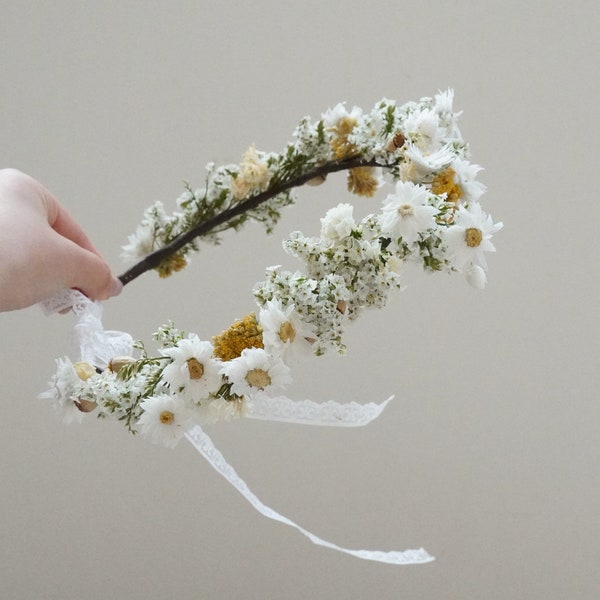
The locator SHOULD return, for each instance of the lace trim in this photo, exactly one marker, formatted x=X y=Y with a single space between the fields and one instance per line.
x=207 y=449
x=92 y=342
x=307 y=412
x=63 y=300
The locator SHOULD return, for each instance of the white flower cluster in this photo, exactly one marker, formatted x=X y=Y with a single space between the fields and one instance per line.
x=431 y=216
x=164 y=396
x=226 y=186
x=346 y=269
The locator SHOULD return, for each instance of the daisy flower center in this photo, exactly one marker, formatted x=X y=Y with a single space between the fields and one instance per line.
x=258 y=378
x=473 y=237
x=195 y=367
x=406 y=210
x=287 y=333
x=166 y=417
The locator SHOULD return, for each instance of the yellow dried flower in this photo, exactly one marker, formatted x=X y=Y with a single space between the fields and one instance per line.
x=254 y=174
x=339 y=144
x=175 y=262
x=244 y=333
x=444 y=183
x=362 y=182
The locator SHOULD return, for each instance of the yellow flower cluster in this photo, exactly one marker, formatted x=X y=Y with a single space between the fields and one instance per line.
x=244 y=333
x=444 y=183
x=175 y=262
x=362 y=181
x=340 y=145
x=254 y=175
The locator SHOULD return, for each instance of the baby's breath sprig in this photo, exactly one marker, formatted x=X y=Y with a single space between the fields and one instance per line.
x=227 y=214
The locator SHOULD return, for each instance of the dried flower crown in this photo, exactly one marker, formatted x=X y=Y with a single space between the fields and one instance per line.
x=432 y=216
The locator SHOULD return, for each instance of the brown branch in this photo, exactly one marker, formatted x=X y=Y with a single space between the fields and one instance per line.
x=153 y=260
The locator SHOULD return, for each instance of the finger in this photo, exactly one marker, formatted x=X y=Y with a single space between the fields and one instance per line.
x=64 y=224
x=85 y=270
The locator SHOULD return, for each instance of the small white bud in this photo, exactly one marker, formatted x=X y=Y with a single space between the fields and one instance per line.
x=476 y=277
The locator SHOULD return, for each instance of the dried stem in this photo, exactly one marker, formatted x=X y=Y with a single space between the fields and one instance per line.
x=153 y=260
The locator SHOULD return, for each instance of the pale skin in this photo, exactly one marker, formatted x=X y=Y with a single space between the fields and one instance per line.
x=43 y=249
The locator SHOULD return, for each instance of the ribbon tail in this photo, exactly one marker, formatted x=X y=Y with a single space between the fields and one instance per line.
x=203 y=444
x=308 y=412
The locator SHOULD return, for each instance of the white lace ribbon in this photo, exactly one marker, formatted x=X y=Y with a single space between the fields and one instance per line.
x=204 y=445
x=97 y=346
x=307 y=412
x=92 y=342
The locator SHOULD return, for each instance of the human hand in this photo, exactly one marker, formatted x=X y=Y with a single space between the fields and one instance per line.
x=43 y=249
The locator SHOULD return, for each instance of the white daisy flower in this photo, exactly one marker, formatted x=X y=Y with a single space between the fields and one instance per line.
x=423 y=129
x=165 y=419
x=338 y=222
x=147 y=237
x=62 y=391
x=421 y=164
x=284 y=332
x=469 y=237
x=466 y=174
x=334 y=115
x=255 y=371
x=220 y=409
x=448 y=118
x=406 y=214
x=444 y=101
x=193 y=368
x=140 y=244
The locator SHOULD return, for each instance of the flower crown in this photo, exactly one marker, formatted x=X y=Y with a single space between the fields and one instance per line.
x=431 y=216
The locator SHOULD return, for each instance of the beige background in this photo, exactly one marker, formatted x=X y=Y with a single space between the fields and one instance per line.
x=489 y=457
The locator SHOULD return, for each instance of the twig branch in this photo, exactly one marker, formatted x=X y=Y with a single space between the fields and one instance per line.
x=154 y=259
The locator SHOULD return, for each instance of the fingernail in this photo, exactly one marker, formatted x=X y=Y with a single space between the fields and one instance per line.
x=116 y=287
